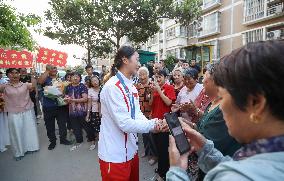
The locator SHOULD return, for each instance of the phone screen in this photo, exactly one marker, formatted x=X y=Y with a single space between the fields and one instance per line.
x=177 y=132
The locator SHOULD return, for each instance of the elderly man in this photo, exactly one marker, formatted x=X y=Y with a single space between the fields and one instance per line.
x=52 y=110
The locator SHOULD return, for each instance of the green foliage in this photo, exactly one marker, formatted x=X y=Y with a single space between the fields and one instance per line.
x=99 y=25
x=170 y=62
x=80 y=69
x=13 y=28
x=187 y=11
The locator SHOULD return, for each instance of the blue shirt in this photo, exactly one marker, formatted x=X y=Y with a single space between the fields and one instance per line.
x=47 y=102
x=76 y=92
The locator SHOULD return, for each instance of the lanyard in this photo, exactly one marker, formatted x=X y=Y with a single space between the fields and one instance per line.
x=131 y=100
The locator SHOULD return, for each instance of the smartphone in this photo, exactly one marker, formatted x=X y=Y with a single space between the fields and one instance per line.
x=177 y=132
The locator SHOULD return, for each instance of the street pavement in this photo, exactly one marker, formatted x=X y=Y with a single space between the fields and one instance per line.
x=60 y=164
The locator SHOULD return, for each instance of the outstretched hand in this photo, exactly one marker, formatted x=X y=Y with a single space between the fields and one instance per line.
x=161 y=126
x=195 y=139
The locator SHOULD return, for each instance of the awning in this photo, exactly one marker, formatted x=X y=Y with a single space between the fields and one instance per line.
x=146 y=56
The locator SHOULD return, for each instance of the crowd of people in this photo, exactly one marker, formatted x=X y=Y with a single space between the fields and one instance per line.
x=232 y=116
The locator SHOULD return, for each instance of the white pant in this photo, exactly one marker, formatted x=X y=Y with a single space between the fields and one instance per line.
x=4 y=131
x=23 y=132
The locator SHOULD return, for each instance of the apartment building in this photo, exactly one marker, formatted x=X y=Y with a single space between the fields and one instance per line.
x=170 y=40
x=229 y=24
x=224 y=26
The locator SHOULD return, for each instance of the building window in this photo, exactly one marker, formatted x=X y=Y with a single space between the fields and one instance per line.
x=253 y=10
x=209 y=3
x=210 y=24
x=192 y=30
x=253 y=36
x=174 y=52
x=182 y=53
x=177 y=31
x=274 y=7
x=153 y=40
x=170 y=33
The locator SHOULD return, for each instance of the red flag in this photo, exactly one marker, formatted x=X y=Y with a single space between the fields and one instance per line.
x=52 y=57
x=15 y=59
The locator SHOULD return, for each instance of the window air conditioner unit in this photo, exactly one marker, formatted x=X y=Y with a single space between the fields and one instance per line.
x=273 y=35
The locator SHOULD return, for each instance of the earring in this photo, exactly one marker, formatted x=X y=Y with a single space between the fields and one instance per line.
x=254 y=118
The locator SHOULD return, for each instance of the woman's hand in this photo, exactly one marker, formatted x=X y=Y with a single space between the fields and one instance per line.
x=176 y=159
x=187 y=107
x=67 y=99
x=87 y=118
x=196 y=140
x=160 y=126
x=175 y=108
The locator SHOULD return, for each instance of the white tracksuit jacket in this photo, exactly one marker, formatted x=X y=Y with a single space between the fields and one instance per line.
x=117 y=141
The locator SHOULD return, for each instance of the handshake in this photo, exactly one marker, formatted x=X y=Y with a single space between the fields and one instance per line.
x=160 y=126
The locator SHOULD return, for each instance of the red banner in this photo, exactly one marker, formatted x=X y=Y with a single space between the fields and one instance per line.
x=15 y=59
x=52 y=57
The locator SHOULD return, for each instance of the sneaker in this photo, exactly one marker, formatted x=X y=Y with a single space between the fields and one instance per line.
x=152 y=161
x=65 y=142
x=75 y=147
x=19 y=158
x=4 y=149
x=51 y=145
x=92 y=147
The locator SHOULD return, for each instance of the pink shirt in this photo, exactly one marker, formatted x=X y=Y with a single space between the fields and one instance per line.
x=17 y=98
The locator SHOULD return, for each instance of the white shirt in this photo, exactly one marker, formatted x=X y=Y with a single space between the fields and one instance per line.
x=3 y=81
x=117 y=139
x=94 y=96
x=186 y=96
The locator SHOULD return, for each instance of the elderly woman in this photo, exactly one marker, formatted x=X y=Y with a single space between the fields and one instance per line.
x=21 y=116
x=178 y=79
x=210 y=122
x=188 y=93
x=144 y=91
x=252 y=103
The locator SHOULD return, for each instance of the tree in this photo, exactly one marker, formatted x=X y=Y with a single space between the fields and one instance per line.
x=170 y=62
x=99 y=25
x=79 y=69
x=76 y=22
x=14 y=31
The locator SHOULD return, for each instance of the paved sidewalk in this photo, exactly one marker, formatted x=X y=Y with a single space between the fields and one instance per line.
x=59 y=164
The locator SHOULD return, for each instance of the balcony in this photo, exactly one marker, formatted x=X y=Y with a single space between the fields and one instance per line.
x=210 y=4
x=260 y=10
x=210 y=25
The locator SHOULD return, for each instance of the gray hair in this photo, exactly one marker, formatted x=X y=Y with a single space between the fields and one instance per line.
x=143 y=69
x=211 y=68
x=180 y=70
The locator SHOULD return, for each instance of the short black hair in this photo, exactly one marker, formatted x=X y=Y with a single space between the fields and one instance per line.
x=254 y=69
x=162 y=72
x=190 y=72
x=90 y=80
x=76 y=73
x=66 y=75
x=123 y=52
x=88 y=66
x=11 y=69
x=184 y=61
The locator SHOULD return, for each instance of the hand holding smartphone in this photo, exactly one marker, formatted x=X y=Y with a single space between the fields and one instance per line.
x=177 y=132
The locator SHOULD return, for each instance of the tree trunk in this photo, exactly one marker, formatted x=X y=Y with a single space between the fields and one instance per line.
x=89 y=55
x=117 y=42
